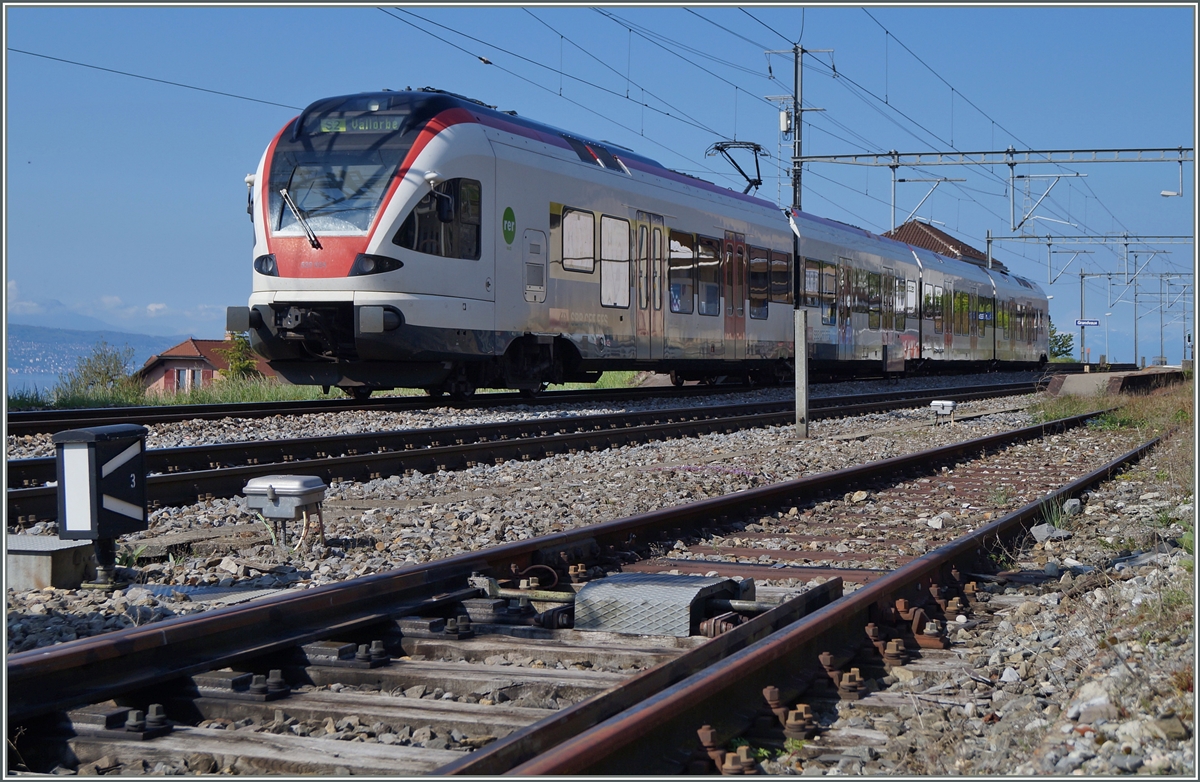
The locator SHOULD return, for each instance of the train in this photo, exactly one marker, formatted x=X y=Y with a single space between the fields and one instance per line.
x=422 y=239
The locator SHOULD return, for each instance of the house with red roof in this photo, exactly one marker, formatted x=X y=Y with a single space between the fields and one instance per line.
x=193 y=363
x=925 y=236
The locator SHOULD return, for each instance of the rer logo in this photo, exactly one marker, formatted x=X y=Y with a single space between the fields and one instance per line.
x=509 y=225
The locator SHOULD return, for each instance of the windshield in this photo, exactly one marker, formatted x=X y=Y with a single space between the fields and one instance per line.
x=336 y=172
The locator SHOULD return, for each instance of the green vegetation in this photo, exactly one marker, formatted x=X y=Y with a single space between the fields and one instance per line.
x=240 y=358
x=1062 y=346
x=104 y=379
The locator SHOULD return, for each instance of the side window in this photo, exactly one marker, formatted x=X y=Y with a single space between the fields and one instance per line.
x=760 y=282
x=937 y=309
x=874 y=300
x=828 y=294
x=614 y=262
x=579 y=240
x=901 y=288
x=781 y=278
x=656 y=266
x=643 y=271
x=681 y=275
x=708 y=273
x=424 y=231
x=812 y=283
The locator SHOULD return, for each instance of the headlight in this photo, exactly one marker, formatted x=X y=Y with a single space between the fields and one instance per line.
x=373 y=264
x=265 y=264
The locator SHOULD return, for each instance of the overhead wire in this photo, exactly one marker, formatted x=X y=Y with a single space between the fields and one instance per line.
x=552 y=92
x=151 y=78
x=614 y=93
x=696 y=122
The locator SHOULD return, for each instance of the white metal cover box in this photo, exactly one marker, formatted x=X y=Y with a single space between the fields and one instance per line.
x=284 y=496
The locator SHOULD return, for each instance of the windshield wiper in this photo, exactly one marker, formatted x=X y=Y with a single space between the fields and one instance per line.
x=308 y=231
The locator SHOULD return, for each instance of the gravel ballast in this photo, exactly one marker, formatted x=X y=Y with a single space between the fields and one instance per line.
x=1099 y=661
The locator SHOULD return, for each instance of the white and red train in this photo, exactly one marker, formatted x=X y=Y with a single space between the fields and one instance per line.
x=421 y=239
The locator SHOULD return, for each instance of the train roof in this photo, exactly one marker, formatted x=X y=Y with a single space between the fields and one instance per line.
x=426 y=102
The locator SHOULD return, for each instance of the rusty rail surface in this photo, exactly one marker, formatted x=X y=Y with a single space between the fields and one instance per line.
x=659 y=734
x=92 y=669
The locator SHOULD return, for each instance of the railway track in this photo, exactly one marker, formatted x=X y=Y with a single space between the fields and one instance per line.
x=22 y=423
x=178 y=476
x=532 y=696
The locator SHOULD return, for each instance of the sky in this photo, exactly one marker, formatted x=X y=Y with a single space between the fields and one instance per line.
x=125 y=200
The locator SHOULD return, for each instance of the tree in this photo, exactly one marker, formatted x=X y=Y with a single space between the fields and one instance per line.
x=1061 y=345
x=105 y=372
x=106 y=368
x=241 y=359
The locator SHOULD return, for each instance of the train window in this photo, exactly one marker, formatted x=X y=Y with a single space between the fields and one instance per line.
x=643 y=268
x=828 y=294
x=682 y=272
x=901 y=294
x=425 y=232
x=708 y=276
x=962 y=309
x=874 y=299
x=760 y=282
x=812 y=282
x=888 y=300
x=986 y=306
x=781 y=278
x=1006 y=317
x=656 y=266
x=936 y=308
x=614 y=262
x=858 y=303
x=579 y=240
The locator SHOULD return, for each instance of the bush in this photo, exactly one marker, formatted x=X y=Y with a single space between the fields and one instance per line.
x=102 y=378
x=241 y=359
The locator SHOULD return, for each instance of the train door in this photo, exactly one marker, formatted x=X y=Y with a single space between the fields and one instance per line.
x=642 y=283
x=845 y=305
x=649 y=276
x=658 y=279
x=734 y=262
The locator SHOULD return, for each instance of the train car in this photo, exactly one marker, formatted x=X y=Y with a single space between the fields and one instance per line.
x=422 y=239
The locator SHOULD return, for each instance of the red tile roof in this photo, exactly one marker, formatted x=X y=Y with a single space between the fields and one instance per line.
x=205 y=349
x=925 y=236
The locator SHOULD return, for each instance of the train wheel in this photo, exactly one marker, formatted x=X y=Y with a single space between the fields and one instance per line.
x=676 y=379
x=359 y=392
x=462 y=390
x=533 y=393
x=435 y=391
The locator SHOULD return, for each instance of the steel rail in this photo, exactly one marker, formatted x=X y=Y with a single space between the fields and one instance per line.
x=30 y=422
x=31 y=472
x=657 y=735
x=100 y=667
x=393 y=453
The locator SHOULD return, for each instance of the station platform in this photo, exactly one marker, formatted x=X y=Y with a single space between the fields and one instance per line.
x=1108 y=383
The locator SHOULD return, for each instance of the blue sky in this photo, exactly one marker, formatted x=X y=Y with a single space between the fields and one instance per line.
x=125 y=200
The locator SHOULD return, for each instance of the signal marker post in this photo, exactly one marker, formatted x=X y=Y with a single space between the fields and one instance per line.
x=800 y=351
x=101 y=490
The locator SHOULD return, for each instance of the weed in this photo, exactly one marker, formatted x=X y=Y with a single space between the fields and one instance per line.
x=1188 y=539
x=129 y=557
x=1000 y=496
x=270 y=530
x=794 y=746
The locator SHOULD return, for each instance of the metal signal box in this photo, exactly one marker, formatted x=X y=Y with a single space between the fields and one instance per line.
x=284 y=496
x=101 y=482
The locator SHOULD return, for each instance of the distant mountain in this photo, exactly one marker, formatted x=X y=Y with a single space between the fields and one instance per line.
x=38 y=350
x=52 y=314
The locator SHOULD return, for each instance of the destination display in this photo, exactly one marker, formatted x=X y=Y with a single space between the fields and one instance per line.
x=365 y=124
